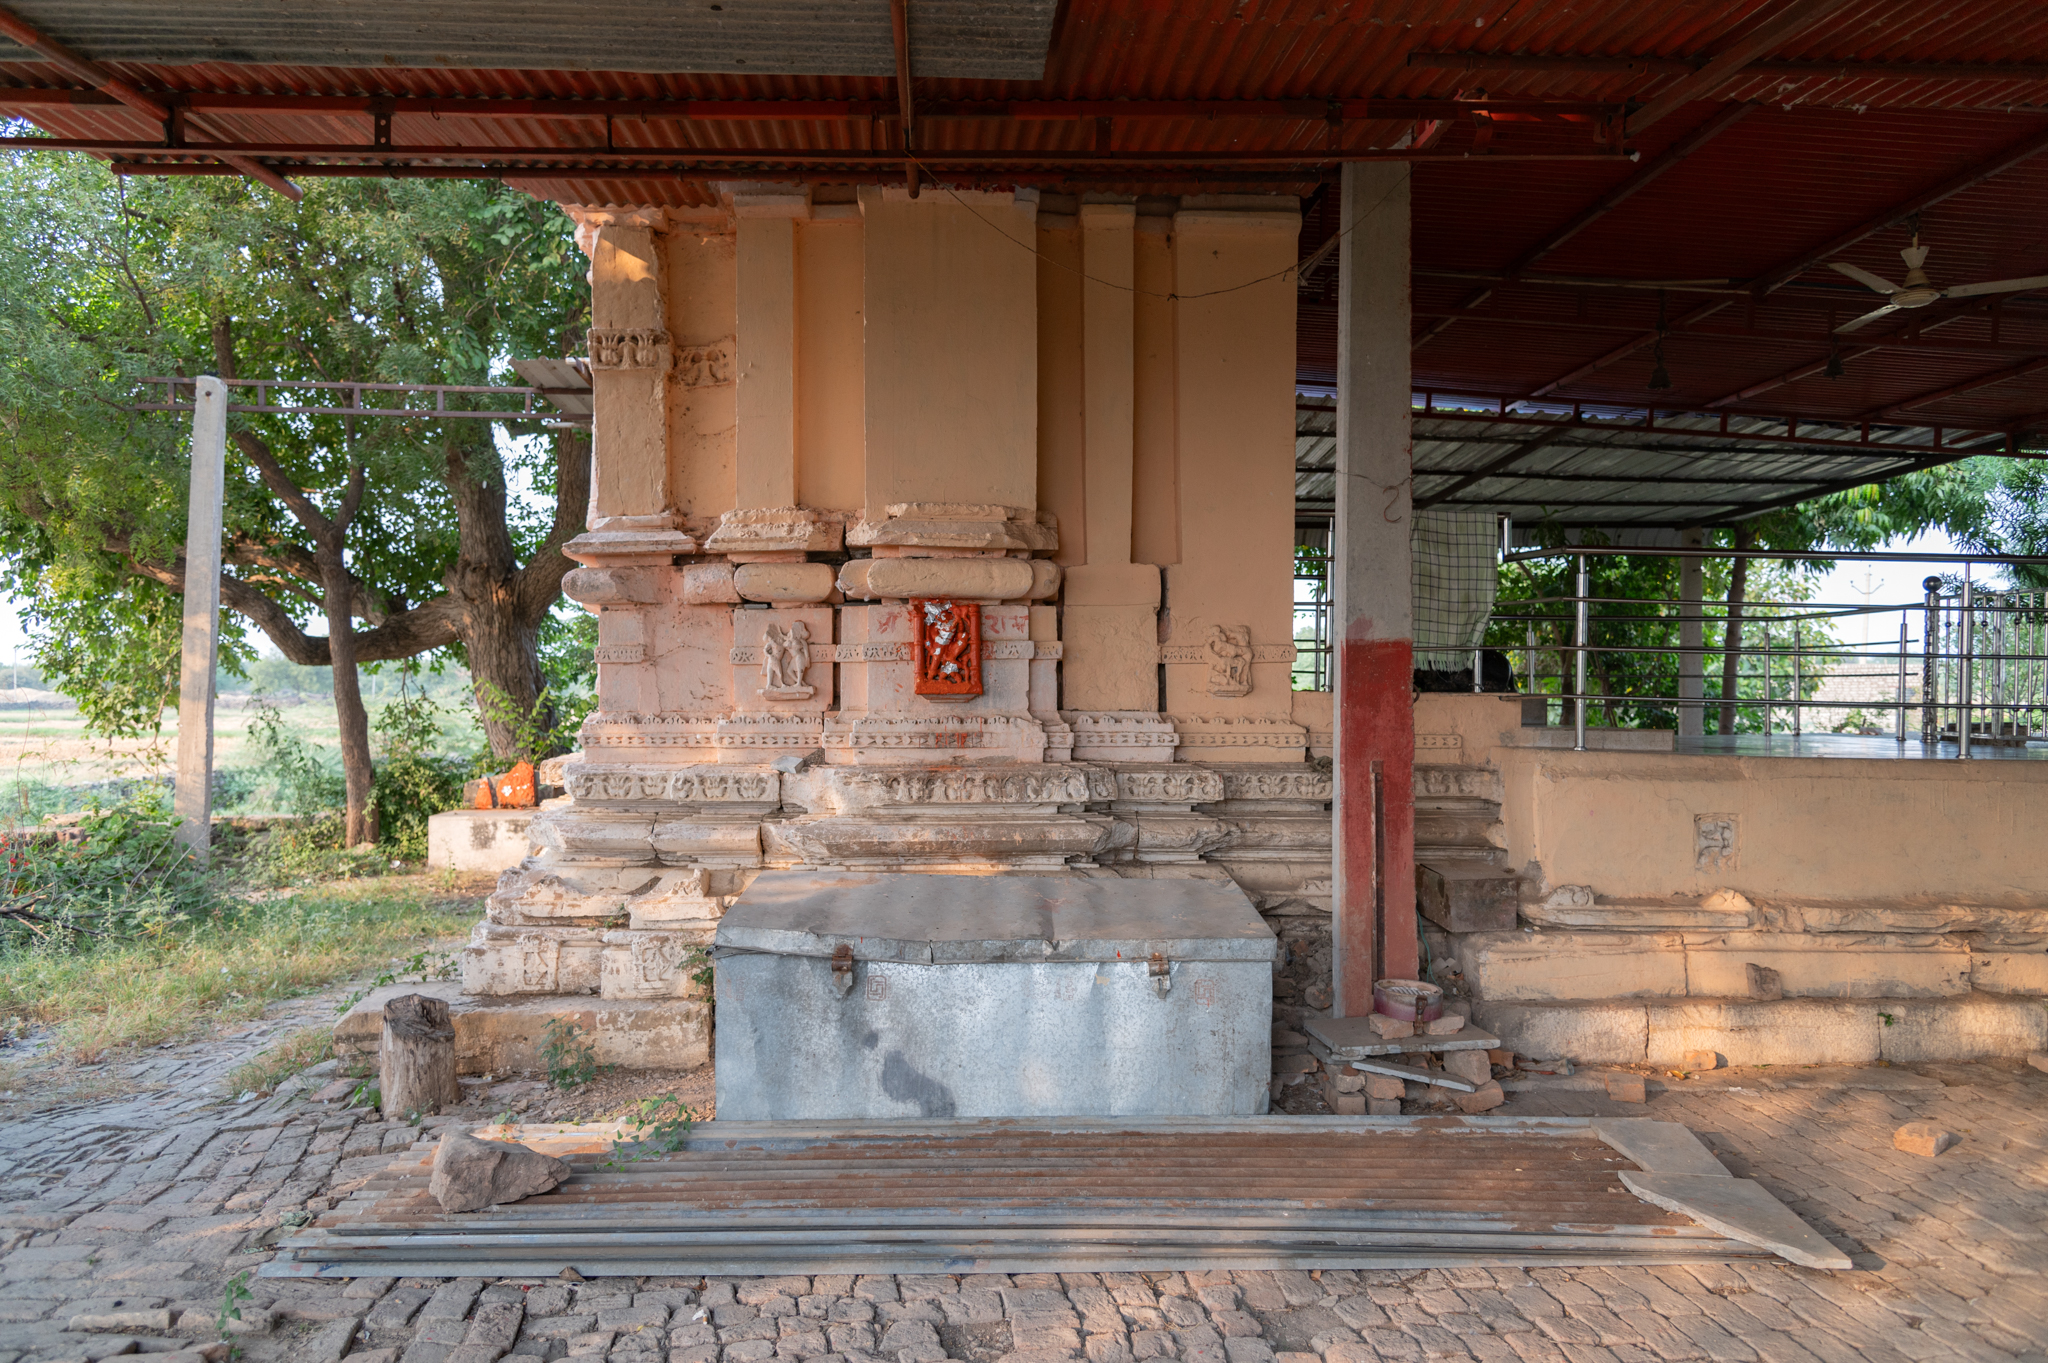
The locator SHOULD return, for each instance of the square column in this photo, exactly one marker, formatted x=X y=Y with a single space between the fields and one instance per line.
x=765 y=270
x=1371 y=630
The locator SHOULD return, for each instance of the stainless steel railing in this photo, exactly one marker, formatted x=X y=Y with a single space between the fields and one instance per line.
x=1980 y=661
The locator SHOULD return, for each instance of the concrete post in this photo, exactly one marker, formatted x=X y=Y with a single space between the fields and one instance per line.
x=193 y=803
x=1371 y=627
x=1692 y=675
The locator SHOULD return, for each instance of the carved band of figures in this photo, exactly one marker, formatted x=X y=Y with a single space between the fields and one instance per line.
x=679 y=787
x=704 y=366
x=1068 y=787
x=620 y=653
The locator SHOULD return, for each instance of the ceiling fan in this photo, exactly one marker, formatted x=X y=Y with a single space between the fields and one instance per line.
x=1917 y=292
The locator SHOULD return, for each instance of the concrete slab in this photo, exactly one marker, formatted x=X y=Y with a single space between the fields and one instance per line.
x=479 y=839
x=1740 y=1209
x=1353 y=1039
x=1659 y=1147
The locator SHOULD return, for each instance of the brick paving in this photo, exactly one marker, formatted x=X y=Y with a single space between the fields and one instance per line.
x=150 y=1204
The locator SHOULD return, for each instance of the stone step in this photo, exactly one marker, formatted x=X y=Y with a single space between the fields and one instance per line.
x=1570 y=966
x=1969 y=1026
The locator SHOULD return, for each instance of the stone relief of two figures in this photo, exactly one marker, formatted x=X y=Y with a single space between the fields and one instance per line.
x=785 y=653
x=1230 y=660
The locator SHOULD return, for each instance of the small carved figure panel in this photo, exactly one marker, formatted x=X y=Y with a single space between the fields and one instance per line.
x=1230 y=660
x=785 y=653
x=946 y=650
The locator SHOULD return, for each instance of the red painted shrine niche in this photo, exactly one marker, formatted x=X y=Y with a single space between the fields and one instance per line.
x=946 y=648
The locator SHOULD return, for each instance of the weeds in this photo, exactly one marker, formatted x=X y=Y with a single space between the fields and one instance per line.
x=569 y=1057
x=231 y=1299
x=661 y=1127
x=262 y=1074
x=428 y=965
x=224 y=965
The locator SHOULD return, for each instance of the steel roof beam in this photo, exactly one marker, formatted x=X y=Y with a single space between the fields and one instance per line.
x=1316 y=111
x=1679 y=66
x=1645 y=175
x=115 y=88
x=1791 y=19
x=2017 y=154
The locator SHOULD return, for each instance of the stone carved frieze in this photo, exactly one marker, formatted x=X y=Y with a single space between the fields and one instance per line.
x=1304 y=784
x=540 y=961
x=972 y=787
x=629 y=348
x=1180 y=784
x=1230 y=660
x=704 y=366
x=619 y=653
x=946 y=652
x=1239 y=731
x=785 y=654
x=687 y=785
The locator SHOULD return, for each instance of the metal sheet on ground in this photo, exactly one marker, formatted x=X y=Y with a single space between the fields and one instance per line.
x=1081 y=1195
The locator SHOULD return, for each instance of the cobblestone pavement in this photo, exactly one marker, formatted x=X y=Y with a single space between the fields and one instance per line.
x=150 y=1205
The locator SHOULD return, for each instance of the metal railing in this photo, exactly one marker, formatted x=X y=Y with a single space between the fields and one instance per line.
x=1977 y=674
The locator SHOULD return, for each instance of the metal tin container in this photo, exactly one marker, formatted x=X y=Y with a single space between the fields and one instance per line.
x=868 y=995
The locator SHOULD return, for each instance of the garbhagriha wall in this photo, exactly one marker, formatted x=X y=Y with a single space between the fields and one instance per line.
x=940 y=534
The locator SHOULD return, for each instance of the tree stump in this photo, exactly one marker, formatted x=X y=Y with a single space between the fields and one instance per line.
x=417 y=1057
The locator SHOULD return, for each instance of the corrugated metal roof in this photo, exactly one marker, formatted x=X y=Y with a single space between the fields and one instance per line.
x=1853 y=122
x=975 y=39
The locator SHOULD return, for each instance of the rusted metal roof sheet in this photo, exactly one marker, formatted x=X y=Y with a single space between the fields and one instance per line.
x=1006 y=1196
x=980 y=39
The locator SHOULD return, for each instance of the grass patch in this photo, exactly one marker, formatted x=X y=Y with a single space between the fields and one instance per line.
x=227 y=965
x=307 y=1046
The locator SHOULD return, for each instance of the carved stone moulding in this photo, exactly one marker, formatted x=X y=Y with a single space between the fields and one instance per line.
x=846 y=790
x=925 y=740
x=502 y=960
x=653 y=965
x=1121 y=735
x=708 y=365
x=1240 y=738
x=955 y=525
x=628 y=541
x=734 y=788
x=631 y=348
x=1172 y=838
x=756 y=530
x=708 y=841
x=619 y=736
x=600 y=837
x=964 y=579
x=543 y=893
x=1251 y=787
x=1037 y=841
x=1228 y=652
x=1164 y=785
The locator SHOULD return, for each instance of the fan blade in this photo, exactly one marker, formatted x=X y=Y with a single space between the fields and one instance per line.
x=2032 y=281
x=1866 y=317
x=1863 y=276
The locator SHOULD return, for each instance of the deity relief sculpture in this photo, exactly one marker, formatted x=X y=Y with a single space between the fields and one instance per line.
x=1230 y=660
x=946 y=652
x=785 y=653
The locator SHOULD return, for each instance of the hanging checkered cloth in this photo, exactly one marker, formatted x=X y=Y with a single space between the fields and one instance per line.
x=1453 y=578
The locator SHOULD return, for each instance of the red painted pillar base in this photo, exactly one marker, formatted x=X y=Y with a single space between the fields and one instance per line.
x=1374 y=922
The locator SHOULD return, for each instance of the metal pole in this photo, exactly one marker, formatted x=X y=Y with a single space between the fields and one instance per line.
x=1930 y=679
x=1585 y=637
x=193 y=801
x=1798 y=676
x=1529 y=657
x=1476 y=687
x=1902 y=681
x=1692 y=661
x=1965 y=648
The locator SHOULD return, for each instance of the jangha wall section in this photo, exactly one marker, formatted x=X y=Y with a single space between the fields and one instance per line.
x=937 y=534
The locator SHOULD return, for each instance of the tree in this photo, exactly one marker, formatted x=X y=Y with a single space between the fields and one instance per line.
x=401 y=536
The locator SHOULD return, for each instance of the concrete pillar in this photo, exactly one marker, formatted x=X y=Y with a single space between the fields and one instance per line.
x=193 y=803
x=1691 y=636
x=766 y=271
x=1371 y=627
x=1111 y=631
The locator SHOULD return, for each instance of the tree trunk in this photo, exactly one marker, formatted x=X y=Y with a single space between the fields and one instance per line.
x=417 y=1059
x=1731 y=644
x=349 y=713
x=504 y=666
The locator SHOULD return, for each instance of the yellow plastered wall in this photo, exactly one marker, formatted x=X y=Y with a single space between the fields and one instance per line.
x=831 y=373
x=952 y=348
x=702 y=421
x=1062 y=452
x=1234 y=399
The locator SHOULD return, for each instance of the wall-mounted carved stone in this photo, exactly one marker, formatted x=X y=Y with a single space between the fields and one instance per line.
x=946 y=649
x=629 y=348
x=774 y=529
x=785 y=654
x=956 y=525
x=1230 y=660
x=704 y=366
x=1177 y=783
x=619 y=653
x=1304 y=783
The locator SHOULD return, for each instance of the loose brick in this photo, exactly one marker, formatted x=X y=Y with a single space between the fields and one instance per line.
x=1627 y=1088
